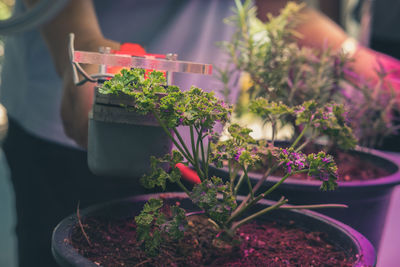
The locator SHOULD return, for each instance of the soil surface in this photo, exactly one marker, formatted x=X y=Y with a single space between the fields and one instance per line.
x=113 y=243
x=351 y=167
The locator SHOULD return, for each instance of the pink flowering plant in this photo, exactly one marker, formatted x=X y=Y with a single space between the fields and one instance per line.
x=199 y=111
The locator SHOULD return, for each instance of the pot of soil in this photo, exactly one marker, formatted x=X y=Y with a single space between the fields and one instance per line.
x=121 y=140
x=283 y=237
x=366 y=180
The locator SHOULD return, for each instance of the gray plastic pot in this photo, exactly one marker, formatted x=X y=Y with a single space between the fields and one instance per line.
x=368 y=201
x=121 y=141
x=338 y=233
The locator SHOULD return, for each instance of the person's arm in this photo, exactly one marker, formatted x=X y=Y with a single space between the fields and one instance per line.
x=77 y=17
x=316 y=28
x=319 y=31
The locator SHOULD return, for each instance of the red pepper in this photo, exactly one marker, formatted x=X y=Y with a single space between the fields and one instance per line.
x=188 y=174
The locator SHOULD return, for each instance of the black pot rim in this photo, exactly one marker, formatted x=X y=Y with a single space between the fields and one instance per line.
x=64 y=252
x=386 y=181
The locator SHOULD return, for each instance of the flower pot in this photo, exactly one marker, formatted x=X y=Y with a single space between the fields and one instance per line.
x=121 y=141
x=368 y=201
x=338 y=233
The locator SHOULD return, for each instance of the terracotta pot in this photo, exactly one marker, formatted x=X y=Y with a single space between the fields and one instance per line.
x=337 y=232
x=368 y=201
x=121 y=141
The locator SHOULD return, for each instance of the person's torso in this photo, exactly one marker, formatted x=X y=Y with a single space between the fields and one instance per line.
x=31 y=90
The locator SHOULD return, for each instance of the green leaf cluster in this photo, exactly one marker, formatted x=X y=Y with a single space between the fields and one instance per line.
x=374 y=110
x=205 y=194
x=194 y=107
x=157 y=175
x=328 y=120
x=280 y=70
x=240 y=148
x=148 y=222
x=270 y=111
x=323 y=167
x=240 y=152
x=320 y=166
x=283 y=72
x=153 y=225
x=129 y=81
x=175 y=228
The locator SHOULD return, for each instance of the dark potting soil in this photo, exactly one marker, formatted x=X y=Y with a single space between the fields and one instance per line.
x=113 y=244
x=351 y=167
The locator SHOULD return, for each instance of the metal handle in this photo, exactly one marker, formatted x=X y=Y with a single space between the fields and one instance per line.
x=169 y=64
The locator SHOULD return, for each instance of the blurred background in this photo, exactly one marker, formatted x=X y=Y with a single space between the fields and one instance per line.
x=8 y=257
x=341 y=12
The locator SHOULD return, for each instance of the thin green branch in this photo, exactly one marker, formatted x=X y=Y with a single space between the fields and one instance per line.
x=200 y=137
x=317 y=206
x=178 y=146
x=300 y=135
x=273 y=126
x=207 y=156
x=183 y=187
x=257 y=214
x=272 y=188
x=195 y=154
x=264 y=177
x=189 y=156
x=239 y=183
x=308 y=141
x=231 y=179
x=258 y=185
x=245 y=205
x=246 y=176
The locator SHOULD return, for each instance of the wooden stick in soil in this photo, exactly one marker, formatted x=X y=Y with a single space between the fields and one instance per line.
x=81 y=226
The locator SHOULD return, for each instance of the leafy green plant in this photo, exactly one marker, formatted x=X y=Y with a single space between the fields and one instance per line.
x=217 y=198
x=373 y=110
x=282 y=71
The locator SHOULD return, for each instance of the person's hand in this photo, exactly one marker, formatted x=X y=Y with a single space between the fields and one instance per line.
x=375 y=67
x=76 y=103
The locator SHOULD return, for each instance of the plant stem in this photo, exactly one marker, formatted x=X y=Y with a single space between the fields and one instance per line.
x=239 y=183
x=183 y=187
x=195 y=154
x=317 y=206
x=265 y=176
x=303 y=145
x=255 y=188
x=257 y=214
x=273 y=132
x=244 y=205
x=306 y=142
x=230 y=176
x=272 y=188
x=189 y=156
x=246 y=176
x=207 y=156
x=203 y=157
x=258 y=185
x=186 y=155
x=300 y=136
x=294 y=88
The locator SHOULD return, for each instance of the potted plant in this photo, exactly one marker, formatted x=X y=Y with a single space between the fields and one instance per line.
x=281 y=71
x=219 y=223
x=114 y=129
